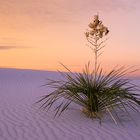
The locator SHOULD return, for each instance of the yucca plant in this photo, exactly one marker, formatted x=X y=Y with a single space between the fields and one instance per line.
x=96 y=92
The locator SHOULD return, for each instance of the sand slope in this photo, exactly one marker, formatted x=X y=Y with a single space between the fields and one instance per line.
x=20 y=119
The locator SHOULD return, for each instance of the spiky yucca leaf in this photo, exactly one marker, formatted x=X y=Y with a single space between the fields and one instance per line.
x=97 y=95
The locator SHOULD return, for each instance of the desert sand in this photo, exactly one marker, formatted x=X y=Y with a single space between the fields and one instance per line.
x=20 y=119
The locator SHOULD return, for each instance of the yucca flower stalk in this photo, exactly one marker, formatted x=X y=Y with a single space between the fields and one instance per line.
x=94 y=35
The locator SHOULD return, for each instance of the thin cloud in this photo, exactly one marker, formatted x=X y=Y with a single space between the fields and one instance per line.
x=2 y=47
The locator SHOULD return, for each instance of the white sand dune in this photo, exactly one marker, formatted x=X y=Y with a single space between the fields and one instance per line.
x=21 y=120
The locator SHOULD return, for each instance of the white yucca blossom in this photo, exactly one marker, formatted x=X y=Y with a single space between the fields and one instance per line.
x=96 y=17
x=87 y=34
x=92 y=32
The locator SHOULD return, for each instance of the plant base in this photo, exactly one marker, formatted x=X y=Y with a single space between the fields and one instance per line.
x=92 y=115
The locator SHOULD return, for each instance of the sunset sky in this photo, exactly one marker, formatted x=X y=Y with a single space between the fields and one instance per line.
x=38 y=34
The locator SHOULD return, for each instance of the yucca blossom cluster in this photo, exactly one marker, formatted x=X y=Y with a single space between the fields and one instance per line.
x=97 y=28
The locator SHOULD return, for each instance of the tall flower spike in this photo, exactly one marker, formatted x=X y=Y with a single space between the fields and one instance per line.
x=97 y=31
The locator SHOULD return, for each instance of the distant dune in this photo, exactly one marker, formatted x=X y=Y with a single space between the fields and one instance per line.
x=21 y=120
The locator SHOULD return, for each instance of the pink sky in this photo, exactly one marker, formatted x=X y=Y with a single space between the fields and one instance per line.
x=38 y=34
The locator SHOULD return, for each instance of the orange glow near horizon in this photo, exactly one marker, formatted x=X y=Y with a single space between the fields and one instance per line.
x=39 y=35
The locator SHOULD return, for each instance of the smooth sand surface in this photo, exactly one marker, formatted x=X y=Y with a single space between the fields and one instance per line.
x=21 y=120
